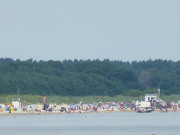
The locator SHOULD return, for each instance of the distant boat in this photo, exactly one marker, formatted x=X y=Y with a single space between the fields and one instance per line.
x=147 y=110
x=144 y=107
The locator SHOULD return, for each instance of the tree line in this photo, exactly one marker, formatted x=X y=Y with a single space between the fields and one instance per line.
x=89 y=77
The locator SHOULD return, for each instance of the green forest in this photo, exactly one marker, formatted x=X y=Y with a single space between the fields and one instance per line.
x=89 y=77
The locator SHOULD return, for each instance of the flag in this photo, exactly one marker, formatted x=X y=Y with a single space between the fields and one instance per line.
x=159 y=91
x=44 y=99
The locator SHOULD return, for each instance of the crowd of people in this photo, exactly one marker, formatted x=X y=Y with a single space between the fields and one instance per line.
x=94 y=107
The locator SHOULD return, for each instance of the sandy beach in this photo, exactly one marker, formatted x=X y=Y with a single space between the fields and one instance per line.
x=56 y=110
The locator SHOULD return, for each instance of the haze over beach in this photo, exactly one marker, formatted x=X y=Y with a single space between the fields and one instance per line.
x=84 y=29
x=90 y=67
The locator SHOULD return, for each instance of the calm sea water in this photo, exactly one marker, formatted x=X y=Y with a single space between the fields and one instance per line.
x=125 y=123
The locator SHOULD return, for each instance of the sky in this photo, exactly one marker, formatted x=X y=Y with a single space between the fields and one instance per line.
x=124 y=30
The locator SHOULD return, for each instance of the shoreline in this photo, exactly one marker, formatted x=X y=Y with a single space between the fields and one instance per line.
x=6 y=113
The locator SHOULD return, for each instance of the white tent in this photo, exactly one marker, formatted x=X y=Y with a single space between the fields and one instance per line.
x=16 y=104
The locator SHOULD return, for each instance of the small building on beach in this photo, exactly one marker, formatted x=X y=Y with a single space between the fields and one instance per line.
x=151 y=97
x=16 y=104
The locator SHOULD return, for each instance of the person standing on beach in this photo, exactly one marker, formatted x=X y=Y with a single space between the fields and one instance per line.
x=161 y=109
x=166 y=109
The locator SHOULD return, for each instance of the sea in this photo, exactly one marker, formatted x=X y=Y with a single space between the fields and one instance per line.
x=112 y=123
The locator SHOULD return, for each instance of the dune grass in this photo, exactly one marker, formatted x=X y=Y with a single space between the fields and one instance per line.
x=37 y=99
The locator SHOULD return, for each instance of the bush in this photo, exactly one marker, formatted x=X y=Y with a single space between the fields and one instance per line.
x=135 y=93
x=167 y=92
x=110 y=93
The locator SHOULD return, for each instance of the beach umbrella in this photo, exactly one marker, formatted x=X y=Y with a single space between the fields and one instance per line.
x=72 y=104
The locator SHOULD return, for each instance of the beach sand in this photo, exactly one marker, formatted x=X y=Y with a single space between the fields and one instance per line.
x=56 y=110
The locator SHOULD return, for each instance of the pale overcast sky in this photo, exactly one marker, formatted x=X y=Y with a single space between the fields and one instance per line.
x=124 y=30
